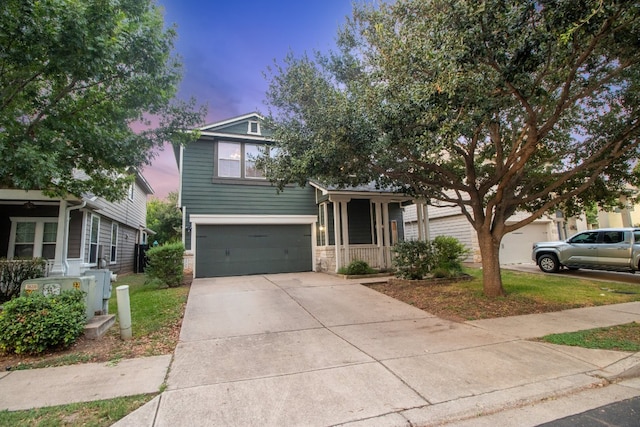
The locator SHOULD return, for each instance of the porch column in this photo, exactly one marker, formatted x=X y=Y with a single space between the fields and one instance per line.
x=379 y=238
x=325 y=208
x=345 y=233
x=58 y=268
x=387 y=237
x=314 y=245
x=336 y=233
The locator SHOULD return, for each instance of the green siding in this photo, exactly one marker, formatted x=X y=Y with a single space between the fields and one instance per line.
x=359 y=214
x=202 y=196
x=242 y=127
x=238 y=128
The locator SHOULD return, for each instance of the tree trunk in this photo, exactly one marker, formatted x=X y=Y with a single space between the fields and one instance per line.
x=490 y=252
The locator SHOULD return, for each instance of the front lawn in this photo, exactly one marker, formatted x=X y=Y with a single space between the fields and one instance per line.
x=527 y=293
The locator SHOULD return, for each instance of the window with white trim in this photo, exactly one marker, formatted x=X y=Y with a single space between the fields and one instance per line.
x=114 y=243
x=132 y=191
x=33 y=238
x=229 y=159
x=254 y=128
x=251 y=154
x=94 y=237
x=238 y=160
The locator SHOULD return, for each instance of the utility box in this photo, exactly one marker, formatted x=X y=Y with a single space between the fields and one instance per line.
x=103 y=293
x=51 y=286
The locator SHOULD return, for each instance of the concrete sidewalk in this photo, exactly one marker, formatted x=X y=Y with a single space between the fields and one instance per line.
x=315 y=350
x=36 y=388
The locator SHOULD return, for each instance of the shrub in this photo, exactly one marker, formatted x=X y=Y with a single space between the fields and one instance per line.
x=14 y=272
x=165 y=264
x=441 y=257
x=357 y=267
x=35 y=323
x=412 y=259
x=448 y=254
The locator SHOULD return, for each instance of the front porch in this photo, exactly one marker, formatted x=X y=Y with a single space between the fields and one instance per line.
x=377 y=257
x=362 y=223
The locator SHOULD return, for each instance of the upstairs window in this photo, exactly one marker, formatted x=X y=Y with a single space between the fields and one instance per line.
x=238 y=160
x=254 y=128
x=229 y=159
x=251 y=153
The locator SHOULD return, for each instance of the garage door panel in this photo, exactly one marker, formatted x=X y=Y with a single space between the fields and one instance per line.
x=515 y=247
x=228 y=250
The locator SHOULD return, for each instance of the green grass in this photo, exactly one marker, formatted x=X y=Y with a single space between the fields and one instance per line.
x=152 y=306
x=559 y=289
x=101 y=413
x=621 y=337
x=69 y=359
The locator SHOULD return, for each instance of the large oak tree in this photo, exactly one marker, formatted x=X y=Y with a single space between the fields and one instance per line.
x=492 y=106
x=86 y=92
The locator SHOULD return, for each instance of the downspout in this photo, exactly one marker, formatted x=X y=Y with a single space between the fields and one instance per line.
x=65 y=246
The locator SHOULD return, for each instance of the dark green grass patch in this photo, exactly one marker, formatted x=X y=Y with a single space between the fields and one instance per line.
x=621 y=337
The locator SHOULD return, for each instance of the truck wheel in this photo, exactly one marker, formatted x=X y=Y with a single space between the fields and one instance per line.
x=548 y=263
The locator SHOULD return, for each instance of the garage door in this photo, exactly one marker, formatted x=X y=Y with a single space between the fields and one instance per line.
x=233 y=250
x=515 y=247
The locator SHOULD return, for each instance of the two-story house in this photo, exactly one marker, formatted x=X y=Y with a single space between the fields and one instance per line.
x=75 y=234
x=235 y=222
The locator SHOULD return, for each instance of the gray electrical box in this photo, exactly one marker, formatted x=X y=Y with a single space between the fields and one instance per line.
x=103 y=293
x=51 y=286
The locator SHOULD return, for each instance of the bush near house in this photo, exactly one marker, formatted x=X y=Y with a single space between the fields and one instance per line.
x=14 y=272
x=442 y=257
x=165 y=264
x=36 y=323
x=448 y=254
x=357 y=267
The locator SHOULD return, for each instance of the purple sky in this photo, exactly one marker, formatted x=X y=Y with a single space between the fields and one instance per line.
x=226 y=46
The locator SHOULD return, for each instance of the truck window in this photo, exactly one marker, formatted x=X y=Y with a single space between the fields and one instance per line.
x=613 y=237
x=586 y=237
x=636 y=237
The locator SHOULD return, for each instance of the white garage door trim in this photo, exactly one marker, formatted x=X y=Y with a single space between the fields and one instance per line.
x=199 y=219
x=252 y=219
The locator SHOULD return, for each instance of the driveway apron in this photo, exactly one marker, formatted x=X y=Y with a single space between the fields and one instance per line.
x=316 y=350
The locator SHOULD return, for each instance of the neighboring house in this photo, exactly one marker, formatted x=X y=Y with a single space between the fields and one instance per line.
x=515 y=247
x=75 y=234
x=235 y=222
x=628 y=216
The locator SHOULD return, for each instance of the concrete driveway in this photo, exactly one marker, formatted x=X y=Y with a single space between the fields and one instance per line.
x=311 y=349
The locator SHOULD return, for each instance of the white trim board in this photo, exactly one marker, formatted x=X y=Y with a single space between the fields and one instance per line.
x=251 y=219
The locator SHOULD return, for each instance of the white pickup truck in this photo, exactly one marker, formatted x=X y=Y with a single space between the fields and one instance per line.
x=613 y=249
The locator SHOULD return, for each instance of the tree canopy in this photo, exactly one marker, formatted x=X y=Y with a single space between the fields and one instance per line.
x=491 y=106
x=165 y=218
x=86 y=91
